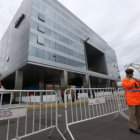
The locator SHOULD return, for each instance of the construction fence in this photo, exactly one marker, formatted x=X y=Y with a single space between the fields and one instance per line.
x=29 y=112
x=91 y=103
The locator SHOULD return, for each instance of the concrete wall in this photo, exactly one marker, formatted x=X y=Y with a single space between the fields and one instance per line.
x=15 y=42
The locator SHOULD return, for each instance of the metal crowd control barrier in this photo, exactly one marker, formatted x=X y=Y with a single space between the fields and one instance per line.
x=87 y=104
x=24 y=113
x=122 y=104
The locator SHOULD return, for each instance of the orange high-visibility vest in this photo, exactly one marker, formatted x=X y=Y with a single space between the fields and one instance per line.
x=132 y=91
x=31 y=94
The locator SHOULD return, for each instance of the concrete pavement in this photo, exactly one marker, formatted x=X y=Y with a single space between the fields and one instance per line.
x=103 y=128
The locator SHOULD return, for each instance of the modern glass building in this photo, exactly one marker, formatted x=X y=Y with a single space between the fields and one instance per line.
x=46 y=46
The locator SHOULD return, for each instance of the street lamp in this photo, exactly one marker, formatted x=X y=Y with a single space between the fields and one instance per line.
x=85 y=41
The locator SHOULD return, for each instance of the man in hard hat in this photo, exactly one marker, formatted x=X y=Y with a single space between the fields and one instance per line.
x=132 y=92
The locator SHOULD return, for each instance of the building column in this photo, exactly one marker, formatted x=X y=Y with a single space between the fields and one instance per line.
x=41 y=87
x=108 y=83
x=41 y=84
x=18 y=86
x=64 y=80
x=19 y=80
x=86 y=81
x=114 y=83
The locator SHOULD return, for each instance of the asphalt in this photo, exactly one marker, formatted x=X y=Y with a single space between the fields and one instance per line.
x=103 y=128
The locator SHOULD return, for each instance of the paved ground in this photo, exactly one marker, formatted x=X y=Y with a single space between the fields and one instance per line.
x=104 y=128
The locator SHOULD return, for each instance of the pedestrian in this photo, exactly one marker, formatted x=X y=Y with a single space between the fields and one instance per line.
x=89 y=96
x=73 y=95
x=93 y=94
x=131 y=86
x=77 y=94
x=32 y=94
x=62 y=96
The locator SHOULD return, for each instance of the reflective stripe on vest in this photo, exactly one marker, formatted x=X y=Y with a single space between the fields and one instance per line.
x=132 y=91
x=132 y=88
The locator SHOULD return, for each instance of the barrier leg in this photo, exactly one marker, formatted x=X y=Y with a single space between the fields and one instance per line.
x=116 y=115
x=120 y=109
x=67 y=129
x=51 y=133
x=61 y=134
x=57 y=121
x=16 y=138
x=124 y=115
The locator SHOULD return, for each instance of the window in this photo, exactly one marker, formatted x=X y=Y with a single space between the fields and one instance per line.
x=40 y=40
x=34 y=13
x=66 y=50
x=52 y=33
x=52 y=45
x=52 y=23
x=41 y=17
x=34 y=25
x=62 y=59
x=62 y=49
x=46 y=55
x=42 y=7
x=47 y=31
x=47 y=42
x=58 y=59
x=33 y=51
x=33 y=37
x=40 y=53
x=70 y=52
x=41 y=28
x=57 y=46
x=52 y=57
x=68 y=62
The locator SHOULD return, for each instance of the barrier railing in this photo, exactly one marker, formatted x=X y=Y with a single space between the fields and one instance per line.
x=87 y=104
x=24 y=113
x=122 y=104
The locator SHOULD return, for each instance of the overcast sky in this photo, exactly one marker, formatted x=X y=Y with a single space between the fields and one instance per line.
x=116 y=21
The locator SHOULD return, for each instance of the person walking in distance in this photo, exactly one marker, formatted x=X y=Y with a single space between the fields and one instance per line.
x=62 y=96
x=73 y=95
x=131 y=86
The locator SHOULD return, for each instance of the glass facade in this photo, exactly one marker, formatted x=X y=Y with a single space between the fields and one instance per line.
x=50 y=35
x=40 y=40
x=55 y=28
